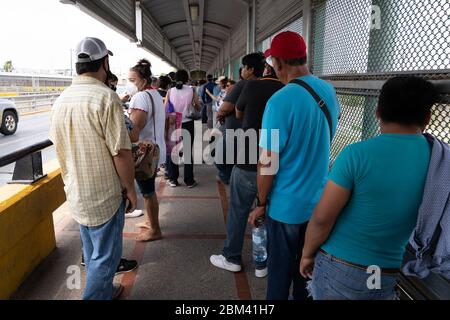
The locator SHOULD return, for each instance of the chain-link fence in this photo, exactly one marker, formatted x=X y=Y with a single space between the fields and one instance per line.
x=358 y=45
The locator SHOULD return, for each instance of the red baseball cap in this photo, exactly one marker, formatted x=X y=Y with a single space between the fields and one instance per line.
x=287 y=45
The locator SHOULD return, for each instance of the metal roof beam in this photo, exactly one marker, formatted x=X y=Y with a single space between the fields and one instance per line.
x=201 y=20
x=187 y=13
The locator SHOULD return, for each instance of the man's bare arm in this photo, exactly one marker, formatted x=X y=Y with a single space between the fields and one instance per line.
x=327 y=211
x=225 y=109
x=265 y=178
x=124 y=165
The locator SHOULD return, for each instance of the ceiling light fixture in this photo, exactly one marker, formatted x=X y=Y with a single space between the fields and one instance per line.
x=194 y=9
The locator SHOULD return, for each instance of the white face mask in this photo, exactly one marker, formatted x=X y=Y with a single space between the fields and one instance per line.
x=132 y=89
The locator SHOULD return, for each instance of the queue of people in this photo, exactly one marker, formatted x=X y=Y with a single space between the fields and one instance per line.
x=325 y=229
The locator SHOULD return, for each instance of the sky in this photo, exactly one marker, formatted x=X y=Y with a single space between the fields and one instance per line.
x=40 y=34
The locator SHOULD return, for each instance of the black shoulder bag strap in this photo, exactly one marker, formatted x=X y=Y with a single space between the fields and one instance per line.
x=153 y=112
x=323 y=106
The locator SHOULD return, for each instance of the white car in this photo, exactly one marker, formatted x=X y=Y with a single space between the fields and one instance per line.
x=9 y=117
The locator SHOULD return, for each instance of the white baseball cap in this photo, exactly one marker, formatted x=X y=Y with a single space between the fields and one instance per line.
x=91 y=49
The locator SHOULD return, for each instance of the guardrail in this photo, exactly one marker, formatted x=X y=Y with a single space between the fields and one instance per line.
x=433 y=287
x=27 y=231
x=33 y=102
x=28 y=168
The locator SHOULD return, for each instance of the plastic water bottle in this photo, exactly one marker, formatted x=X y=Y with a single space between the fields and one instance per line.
x=259 y=237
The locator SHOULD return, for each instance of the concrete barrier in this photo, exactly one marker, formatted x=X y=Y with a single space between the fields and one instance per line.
x=27 y=234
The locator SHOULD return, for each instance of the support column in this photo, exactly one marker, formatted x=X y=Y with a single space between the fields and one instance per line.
x=317 y=39
x=139 y=28
x=307 y=22
x=251 y=27
x=229 y=56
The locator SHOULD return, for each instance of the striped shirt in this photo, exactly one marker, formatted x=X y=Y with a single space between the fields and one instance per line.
x=88 y=129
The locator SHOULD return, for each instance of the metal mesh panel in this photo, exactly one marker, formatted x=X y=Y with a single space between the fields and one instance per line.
x=296 y=26
x=440 y=121
x=359 y=44
x=411 y=35
x=358 y=121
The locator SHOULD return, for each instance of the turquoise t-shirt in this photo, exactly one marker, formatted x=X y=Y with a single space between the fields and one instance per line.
x=387 y=176
x=296 y=128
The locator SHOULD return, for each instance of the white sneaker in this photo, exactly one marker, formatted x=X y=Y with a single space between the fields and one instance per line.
x=222 y=263
x=134 y=214
x=261 y=273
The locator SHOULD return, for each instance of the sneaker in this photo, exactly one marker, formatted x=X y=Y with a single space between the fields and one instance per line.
x=221 y=262
x=173 y=184
x=192 y=185
x=134 y=214
x=126 y=266
x=117 y=291
x=261 y=273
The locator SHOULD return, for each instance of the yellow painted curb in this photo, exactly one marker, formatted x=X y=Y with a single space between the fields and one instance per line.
x=27 y=234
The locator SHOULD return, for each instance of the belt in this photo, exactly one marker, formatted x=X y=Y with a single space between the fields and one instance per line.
x=358 y=266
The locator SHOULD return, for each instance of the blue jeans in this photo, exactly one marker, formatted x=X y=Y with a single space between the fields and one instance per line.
x=285 y=245
x=102 y=250
x=243 y=190
x=224 y=172
x=220 y=156
x=333 y=280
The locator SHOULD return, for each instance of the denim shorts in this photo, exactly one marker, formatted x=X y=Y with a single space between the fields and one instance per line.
x=147 y=187
x=333 y=280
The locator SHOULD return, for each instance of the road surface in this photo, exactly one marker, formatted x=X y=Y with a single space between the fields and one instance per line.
x=32 y=129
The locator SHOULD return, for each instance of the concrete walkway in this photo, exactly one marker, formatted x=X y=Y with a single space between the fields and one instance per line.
x=175 y=268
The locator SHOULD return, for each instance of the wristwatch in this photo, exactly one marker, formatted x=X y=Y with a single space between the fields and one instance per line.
x=259 y=203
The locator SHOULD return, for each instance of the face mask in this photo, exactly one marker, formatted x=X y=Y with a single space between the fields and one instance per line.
x=132 y=89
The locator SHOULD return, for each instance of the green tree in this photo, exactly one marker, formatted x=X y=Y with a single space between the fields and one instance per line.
x=8 y=66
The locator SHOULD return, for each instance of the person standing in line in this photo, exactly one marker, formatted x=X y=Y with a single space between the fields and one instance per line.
x=371 y=203
x=250 y=108
x=253 y=69
x=297 y=131
x=125 y=265
x=207 y=101
x=148 y=117
x=93 y=149
x=182 y=97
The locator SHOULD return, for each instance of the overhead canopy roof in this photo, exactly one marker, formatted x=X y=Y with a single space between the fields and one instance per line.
x=193 y=34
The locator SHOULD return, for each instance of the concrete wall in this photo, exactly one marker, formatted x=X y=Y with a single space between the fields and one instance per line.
x=27 y=233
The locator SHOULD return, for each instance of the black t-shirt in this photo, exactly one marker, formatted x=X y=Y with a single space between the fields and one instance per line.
x=252 y=101
x=231 y=122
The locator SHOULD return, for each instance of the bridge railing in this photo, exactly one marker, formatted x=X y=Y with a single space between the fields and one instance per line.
x=27 y=233
x=34 y=102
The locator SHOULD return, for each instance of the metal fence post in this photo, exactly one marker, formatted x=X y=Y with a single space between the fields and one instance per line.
x=381 y=57
x=317 y=39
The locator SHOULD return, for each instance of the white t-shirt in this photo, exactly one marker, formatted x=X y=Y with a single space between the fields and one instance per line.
x=218 y=104
x=142 y=101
